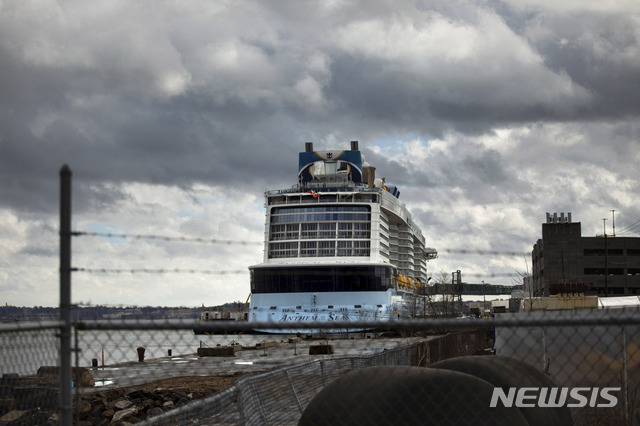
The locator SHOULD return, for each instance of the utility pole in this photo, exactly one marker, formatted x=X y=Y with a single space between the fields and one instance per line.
x=65 y=296
x=453 y=293
x=606 y=263
x=459 y=282
x=613 y=213
x=425 y=288
x=564 y=283
x=484 y=298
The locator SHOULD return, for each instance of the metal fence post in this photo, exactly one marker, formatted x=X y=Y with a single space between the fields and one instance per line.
x=293 y=390
x=543 y=342
x=625 y=378
x=65 y=296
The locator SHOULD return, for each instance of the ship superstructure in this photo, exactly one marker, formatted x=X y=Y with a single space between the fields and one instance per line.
x=339 y=245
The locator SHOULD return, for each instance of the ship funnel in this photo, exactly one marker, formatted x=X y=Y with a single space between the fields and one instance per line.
x=354 y=145
x=308 y=146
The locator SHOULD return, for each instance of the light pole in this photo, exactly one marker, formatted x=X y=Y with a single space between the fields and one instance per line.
x=484 y=298
x=606 y=263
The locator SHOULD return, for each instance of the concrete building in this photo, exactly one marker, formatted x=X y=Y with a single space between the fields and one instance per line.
x=560 y=302
x=566 y=262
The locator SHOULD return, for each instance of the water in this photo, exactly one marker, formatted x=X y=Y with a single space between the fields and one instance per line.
x=24 y=352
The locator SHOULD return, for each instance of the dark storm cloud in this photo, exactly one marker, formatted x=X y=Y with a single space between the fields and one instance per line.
x=101 y=111
x=598 y=51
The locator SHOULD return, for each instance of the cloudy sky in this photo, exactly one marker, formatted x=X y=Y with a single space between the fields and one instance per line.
x=175 y=116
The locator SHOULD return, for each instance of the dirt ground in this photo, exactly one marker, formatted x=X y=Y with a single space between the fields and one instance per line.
x=203 y=385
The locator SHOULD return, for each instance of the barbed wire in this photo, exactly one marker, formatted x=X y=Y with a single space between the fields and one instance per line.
x=241 y=242
x=163 y=238
x=482 y=252
x=238 y=242
x=157 y=271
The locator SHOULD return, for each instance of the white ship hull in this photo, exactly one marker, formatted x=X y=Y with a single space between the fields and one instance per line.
x=299 y=308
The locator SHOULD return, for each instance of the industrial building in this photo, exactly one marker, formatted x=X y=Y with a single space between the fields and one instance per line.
x=566 y=262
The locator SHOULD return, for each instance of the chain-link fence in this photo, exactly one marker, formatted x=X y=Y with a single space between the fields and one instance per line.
x=561 y=367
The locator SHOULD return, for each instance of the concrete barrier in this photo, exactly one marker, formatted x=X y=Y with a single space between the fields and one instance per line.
x=81 y=376
x=217 y=351
x=320 y=349
x=263 y=345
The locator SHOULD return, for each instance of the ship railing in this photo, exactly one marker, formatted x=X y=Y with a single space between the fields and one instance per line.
x=343 y=186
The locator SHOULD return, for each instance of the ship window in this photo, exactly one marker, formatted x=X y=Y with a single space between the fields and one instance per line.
x=361 y=248
x=362 y=230
x=345 y=230
x=321 y=209
x=279 y=250
x=321 y=213
x=277 y=232
x=298 y=307
x=309 y=230
x=327 y=230
x=330 y=307
x=308 y=248
x=357 y=306
x=292 y=231
x=367 y=198
x=321 y=279
x=318 y=217
x=328 y=198
x=326 y=248
x=344 y=248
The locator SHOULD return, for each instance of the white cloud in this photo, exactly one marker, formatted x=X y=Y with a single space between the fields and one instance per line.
x=576 y=6
x=214 y=215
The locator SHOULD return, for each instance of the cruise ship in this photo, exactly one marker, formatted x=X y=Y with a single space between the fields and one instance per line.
x=339 y=246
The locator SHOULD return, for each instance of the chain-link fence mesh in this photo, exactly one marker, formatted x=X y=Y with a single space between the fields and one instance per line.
x=561 y=367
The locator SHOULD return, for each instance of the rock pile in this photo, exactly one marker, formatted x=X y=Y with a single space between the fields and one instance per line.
x=117 y=406
x=25 y=401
